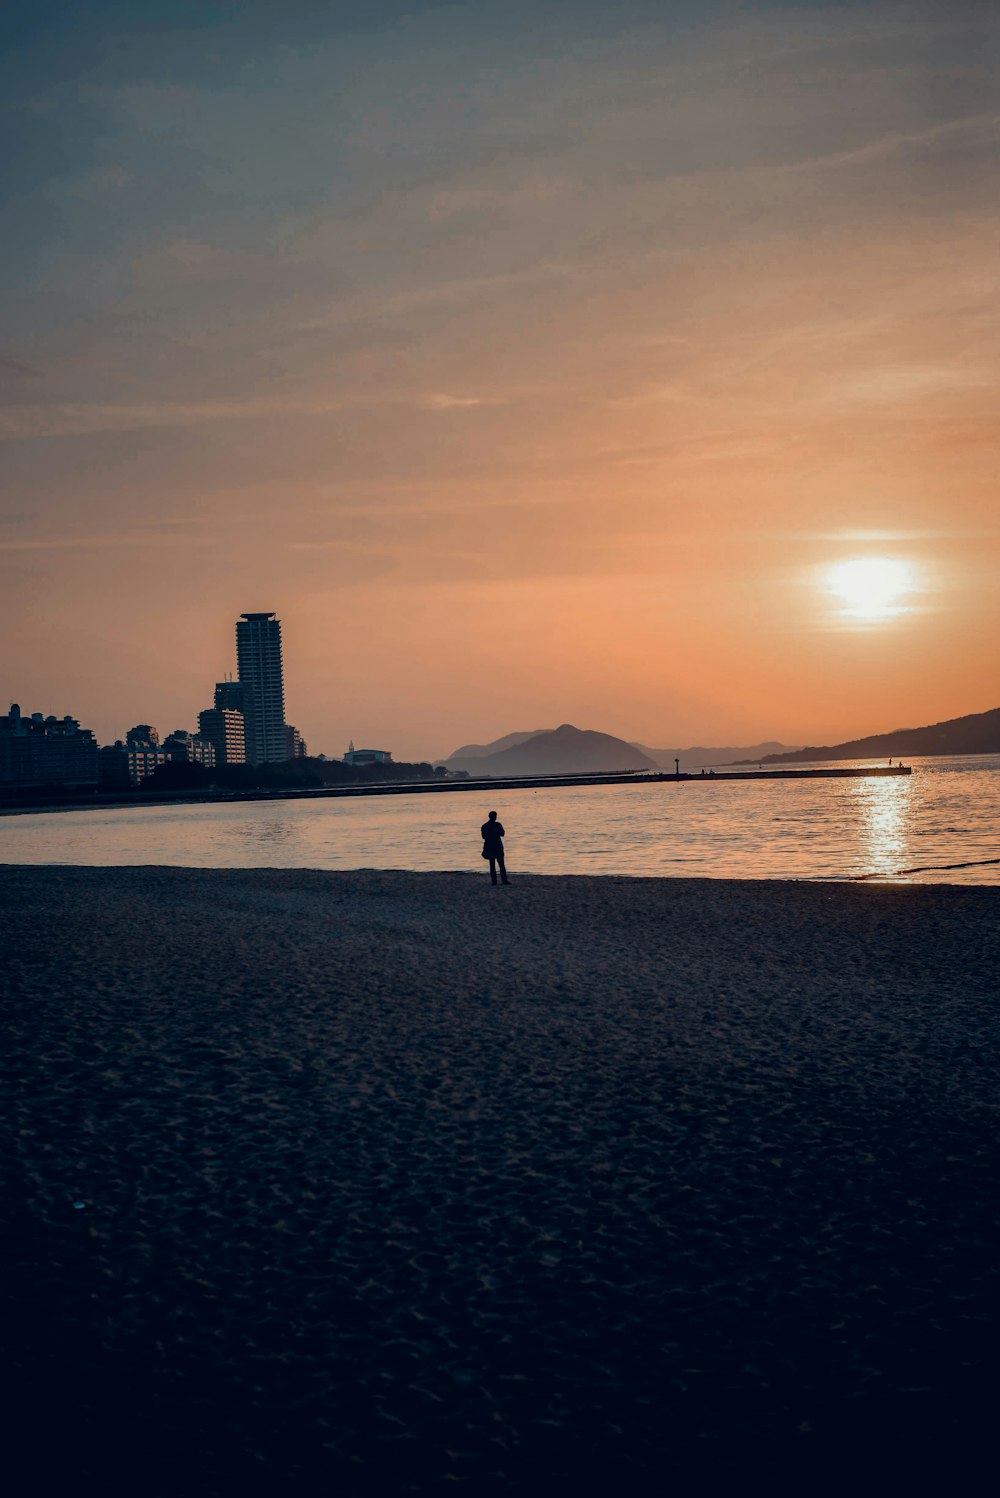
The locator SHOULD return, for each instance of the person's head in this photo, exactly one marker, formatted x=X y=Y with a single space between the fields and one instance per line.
x=493 y=816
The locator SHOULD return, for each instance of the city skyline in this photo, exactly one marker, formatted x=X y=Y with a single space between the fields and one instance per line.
x=631 y=367
x=244 y=727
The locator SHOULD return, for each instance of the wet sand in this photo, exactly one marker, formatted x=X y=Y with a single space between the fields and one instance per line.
x=374 y=1182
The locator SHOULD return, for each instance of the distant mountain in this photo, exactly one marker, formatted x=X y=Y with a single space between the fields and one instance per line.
x=977 y=733
x=481 y=751
x=693 y=759
x=558 y=751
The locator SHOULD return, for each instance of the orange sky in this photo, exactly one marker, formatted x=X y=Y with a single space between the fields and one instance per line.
x=532 y=373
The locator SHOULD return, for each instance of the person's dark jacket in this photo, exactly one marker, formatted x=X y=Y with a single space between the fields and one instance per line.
x=493 y=835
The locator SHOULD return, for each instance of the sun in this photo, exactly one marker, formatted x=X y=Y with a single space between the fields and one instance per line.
x=871 y=587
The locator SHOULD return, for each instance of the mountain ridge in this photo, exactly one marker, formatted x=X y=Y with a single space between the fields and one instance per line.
x=556 y=751
x=973 y=733
x=700 y=754
x=479 y=751
x=559 y=752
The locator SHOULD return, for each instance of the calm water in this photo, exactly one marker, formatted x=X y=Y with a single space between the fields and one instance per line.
x=946 y=812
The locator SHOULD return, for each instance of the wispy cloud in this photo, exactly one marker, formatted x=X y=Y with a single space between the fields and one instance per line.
x=896 y=535
x=13 y=369
x=98 y=543
x=24 y=421
x=34 y=421
x=97 y=184
x=444 y=402
x=981 y=127
x=895 y=383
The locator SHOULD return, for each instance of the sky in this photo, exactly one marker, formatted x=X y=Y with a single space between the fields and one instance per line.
x=534 y=363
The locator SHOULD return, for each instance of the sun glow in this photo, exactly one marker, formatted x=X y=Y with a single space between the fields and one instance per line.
x=871 y=587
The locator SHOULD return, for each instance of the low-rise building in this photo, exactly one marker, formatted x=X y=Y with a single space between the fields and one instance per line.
x=367 y=756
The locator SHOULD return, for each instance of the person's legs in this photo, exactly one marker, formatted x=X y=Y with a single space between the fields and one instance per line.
x=493 y=867
x=503 y=869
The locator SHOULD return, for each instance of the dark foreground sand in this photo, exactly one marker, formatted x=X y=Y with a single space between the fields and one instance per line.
x=368 y=1183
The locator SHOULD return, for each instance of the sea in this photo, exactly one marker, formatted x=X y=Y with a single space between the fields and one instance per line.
x=941 y=824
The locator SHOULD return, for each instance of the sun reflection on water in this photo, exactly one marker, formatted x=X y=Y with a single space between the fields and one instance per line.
x=884 y=842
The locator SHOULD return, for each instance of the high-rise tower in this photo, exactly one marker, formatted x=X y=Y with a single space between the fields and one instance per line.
x=258 y=660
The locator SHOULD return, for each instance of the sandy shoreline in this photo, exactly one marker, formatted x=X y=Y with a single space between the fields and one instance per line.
x=387 y=1180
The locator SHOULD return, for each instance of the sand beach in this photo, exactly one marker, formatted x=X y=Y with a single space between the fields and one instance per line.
x=364 y=1183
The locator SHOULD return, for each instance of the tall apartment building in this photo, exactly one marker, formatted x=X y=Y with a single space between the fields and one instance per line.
x=195 y=748
x=295 y=744
x=224 y=727
x=143 y=759
x=229 y=694
x=142 y=733
x=143 y=752
x=37 y=750
x=258 y=661
x=114 y=766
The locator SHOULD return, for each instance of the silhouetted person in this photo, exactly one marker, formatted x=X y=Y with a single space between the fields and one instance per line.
x=493 y=835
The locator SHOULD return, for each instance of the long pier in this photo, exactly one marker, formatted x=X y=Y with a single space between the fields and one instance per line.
x=635 y=777
x=629 y=777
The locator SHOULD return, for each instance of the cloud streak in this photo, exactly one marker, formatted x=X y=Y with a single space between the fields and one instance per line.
x=26 y=422
x=97 y=543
